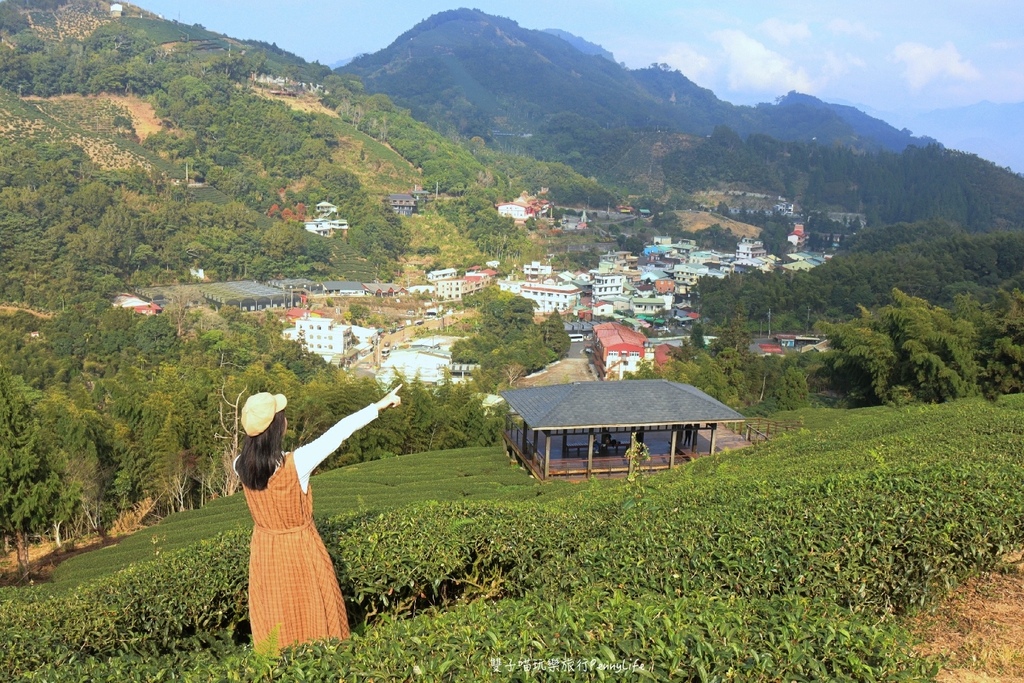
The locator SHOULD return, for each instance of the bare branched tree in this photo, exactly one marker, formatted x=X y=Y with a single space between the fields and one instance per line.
x=231 y=435
x=513 y=373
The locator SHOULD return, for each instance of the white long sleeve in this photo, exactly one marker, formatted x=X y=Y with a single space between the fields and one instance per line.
x=306 y=458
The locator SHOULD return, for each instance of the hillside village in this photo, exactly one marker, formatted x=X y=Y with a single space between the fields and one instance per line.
x=624 y=305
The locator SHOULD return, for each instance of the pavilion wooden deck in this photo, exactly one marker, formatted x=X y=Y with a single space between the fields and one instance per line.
x=568 y=459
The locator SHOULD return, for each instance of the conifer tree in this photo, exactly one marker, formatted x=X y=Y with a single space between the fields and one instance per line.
x=30 y=491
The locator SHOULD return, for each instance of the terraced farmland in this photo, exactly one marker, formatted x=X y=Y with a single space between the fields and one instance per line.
x=162 y=31
x=88 y=122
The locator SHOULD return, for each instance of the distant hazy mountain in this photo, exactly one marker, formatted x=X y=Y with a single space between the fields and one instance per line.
x=485 y=75
x=992 y=131
x=340 y=63
x=584 y=46
x=865 y=125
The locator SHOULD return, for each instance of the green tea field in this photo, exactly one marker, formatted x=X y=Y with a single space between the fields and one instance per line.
x=805 y=558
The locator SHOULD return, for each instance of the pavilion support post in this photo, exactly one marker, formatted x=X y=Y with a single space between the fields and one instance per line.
x=565 y=444
x=590 y=453
x=547 y=455
x=672 y=449
x=714 y=430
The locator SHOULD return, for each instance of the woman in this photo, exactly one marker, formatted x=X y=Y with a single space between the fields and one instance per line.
x=293 y=591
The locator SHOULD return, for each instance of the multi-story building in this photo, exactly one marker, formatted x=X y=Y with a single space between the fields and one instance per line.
x=536 y=271
x=451 y=289
x=750 y=249
x=608 y=284
x=550 y=297
x=687 y=274
x=476 y=280
x=618 y=350
x=321 y=336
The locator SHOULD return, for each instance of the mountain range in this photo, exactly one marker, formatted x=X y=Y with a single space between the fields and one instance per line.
x=500 y=79
x=506 y=80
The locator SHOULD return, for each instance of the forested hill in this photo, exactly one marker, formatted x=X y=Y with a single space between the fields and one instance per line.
x=496 y=76
x=100 y=118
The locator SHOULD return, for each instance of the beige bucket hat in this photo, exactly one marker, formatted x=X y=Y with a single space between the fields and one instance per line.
x=259 y=410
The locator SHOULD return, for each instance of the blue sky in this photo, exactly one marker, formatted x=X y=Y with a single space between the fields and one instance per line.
x=889 y=56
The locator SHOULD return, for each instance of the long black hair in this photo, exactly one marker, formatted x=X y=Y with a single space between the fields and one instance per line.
x=261 y=455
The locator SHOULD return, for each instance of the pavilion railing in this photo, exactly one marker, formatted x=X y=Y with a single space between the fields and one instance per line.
x=758 y=429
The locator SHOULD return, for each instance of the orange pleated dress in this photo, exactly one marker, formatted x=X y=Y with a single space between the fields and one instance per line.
x=293 y=590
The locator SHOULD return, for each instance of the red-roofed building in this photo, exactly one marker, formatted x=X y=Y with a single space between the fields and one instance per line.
x=524 y=207
x=771 y=349
x=149 y=309
x=294 y=314
x=662 y=354
x=475 y=281
x=797 y=238
x=618 y=350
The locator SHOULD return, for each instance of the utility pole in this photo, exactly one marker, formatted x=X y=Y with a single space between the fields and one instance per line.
x=769 y=322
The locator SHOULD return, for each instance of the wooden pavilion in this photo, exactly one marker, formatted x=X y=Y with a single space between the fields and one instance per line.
x=584 y=428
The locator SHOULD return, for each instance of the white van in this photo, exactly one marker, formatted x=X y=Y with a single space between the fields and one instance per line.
x=576 y=337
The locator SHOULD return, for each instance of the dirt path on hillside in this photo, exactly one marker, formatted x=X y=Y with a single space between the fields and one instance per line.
x=695 y=221
x=44 y=558
x=144 y=116
x=15 y=309
x=307 y=105
x=978 y=631
x=565 y=371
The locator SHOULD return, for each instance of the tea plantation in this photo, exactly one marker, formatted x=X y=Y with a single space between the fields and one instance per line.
x=794 y=560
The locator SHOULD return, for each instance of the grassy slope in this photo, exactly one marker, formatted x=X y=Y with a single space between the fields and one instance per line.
x=467 y=474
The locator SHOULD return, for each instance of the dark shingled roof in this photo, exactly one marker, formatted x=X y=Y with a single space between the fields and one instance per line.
x=629 y=403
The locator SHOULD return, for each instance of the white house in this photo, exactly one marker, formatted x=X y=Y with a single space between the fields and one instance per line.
x=428 y=365
x=536 y=271
x=551 y=297
x=750 y=249
x=442 y=274
x=651 y=304
x=513 y=286
x=515 y=210
x=321 y=336
x=323 y=224
x=608 y=284
x=546 y=297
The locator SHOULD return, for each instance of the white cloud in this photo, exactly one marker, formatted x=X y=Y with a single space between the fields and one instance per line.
x=753 y=66
x=835 y=66
x=852 y=28
x=694 y=65
x=923 y=64
x=784 y=33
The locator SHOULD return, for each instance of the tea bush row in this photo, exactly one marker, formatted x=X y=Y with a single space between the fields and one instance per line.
x=594 y=635
x=874 y=540
x=875 y=543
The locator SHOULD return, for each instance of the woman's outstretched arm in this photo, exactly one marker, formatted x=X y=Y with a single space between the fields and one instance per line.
x=308 y=457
